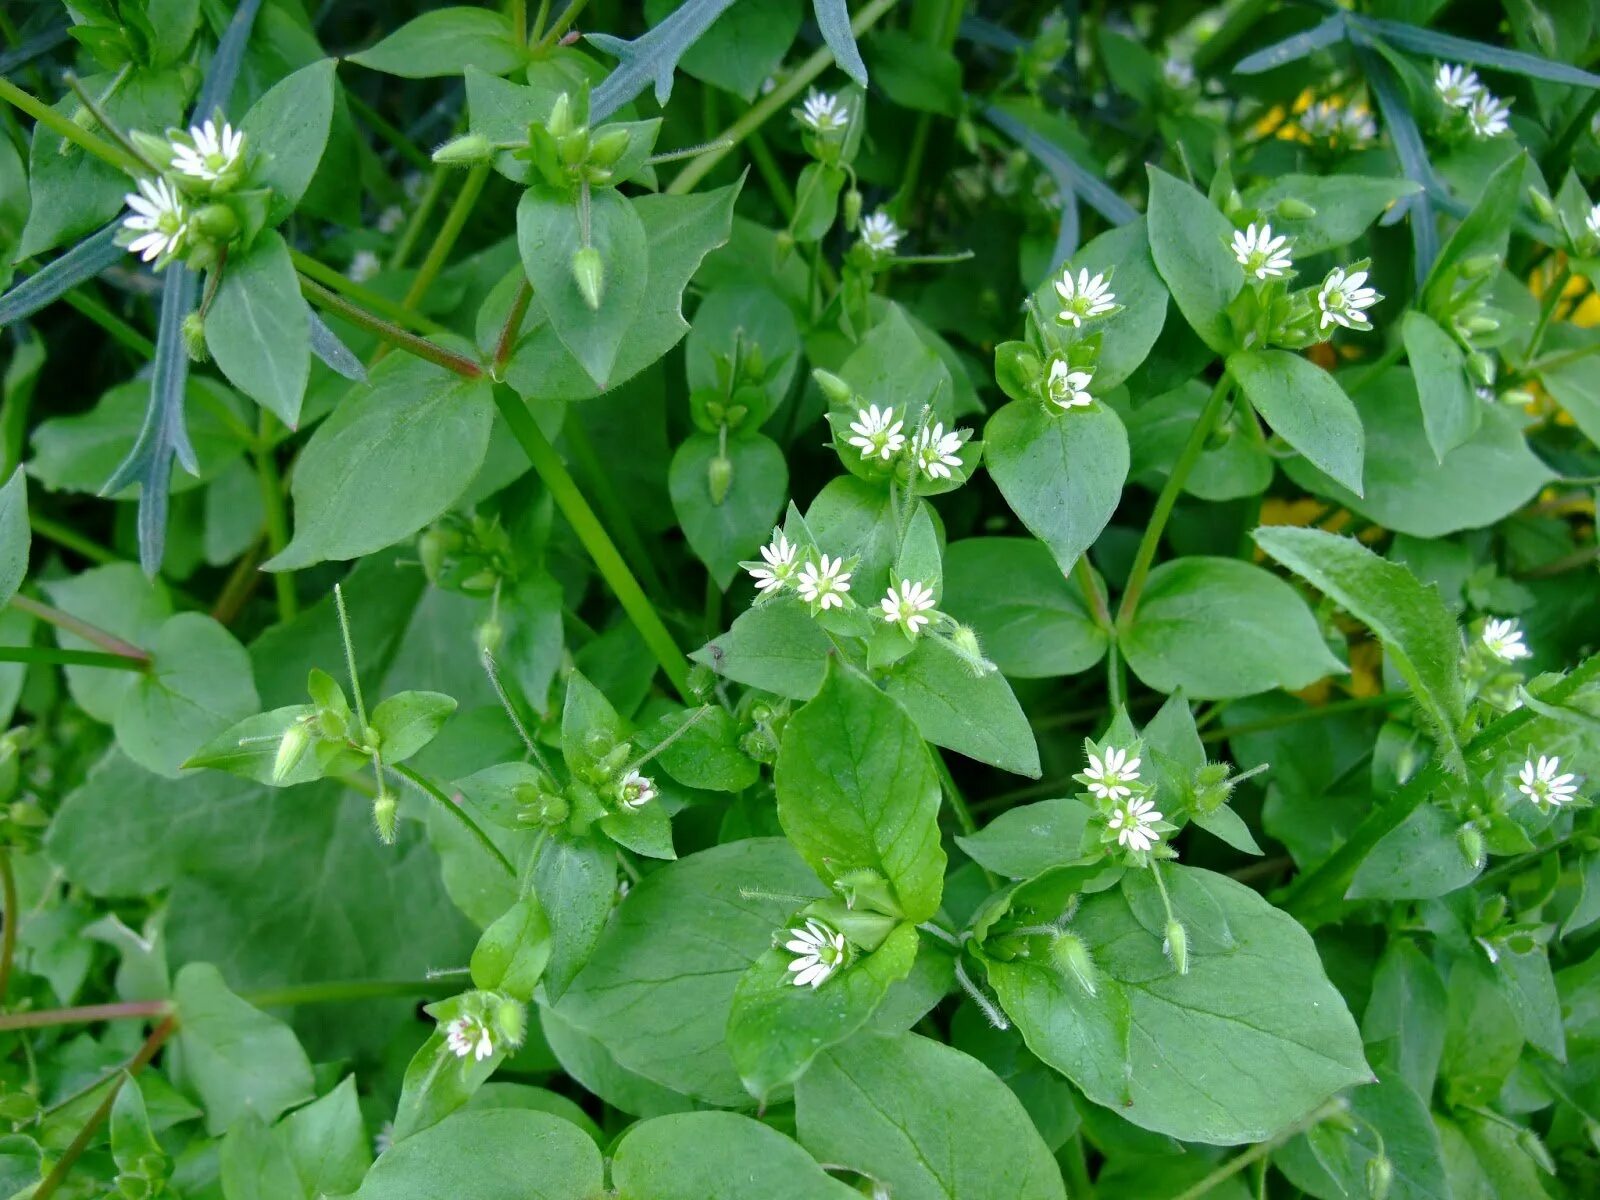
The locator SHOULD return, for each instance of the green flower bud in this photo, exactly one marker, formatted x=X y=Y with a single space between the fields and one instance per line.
x=194 y=338
x=835 y=389
x=465 y=151
x=1071 y=956
x=217 y=222
x=1380 y=1177
x=719 y=478
x=1480 y=324
x=384 y=815
x=590 y=273
x=489 y=635
x=573 y=147
x=609 y=145
x=1291 y=209
x=155 y=150
x=1471 y=843
x=1479 y=265
x=1176 y=946
x=291 y=749
x=1211 y=787
x=702 y=681
x=1482 y=367
x=1529 y=1141
x=852 y=210
x=540 y=806
x=1542 y=206
x=559 y=122
x=966 y=644
x=510 y=1021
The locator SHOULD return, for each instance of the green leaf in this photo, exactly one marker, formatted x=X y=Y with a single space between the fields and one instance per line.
x=1220 y=628
x=917 y=74
x=1252 y=1039
x=549 y=234
x=723 y=531
x=1061 y=473
x=1306 y=408
x=1451 y=411
x=120 y=600
x=777 y=647
x=1030 y=839
x=446 y=41
x=1332 y=1161
x=255 y=1165
x=833 y=21
x=259 y=329
x=816 y=201
x=1411 y=620
x=1484 y=230
x=236 y=1057
x=198 y=685
x=408 y=721
x=1404 y=1025
x=1419 y=860
x=286 y=132
x=16 y=537
x=1189 y=241
x=1345 y=204
x=717 y=1156
x=925 y=1119
x=857 y=788
x=576 y=881
x=327 y=1141
x=707 y=754
x=1233 y=464
x=776 y=1029
x=975 y=715
x=493 y=1154
x=1481 y=481
x=393 y=456
x=1032 y=621
x=657 y=992
x=652 y=56
x=513 y=952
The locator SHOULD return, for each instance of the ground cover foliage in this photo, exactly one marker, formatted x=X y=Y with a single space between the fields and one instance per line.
x=746 y=598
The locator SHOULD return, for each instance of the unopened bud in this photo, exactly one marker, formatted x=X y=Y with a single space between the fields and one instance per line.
x=465 y=151
x=1479 y=265
x=1176 y=946
x=590 y=274
x=1380 y=1177
x=1482 y=367
x=965 y=641
x=510 y=1021
x=609 y=145
x=194 y=338
x=489 y=636
x=1542 y=206
x=1535 y=1149
x=217 y=222
x=702 y=681
x=1480 y=324
x=1291 y=209
x=1071 y=956
x=385 y=811
x=1212 y=787
x=852 y=210
x=539 y=806
x=560 y=121
x=291 y=749
x=573 y=147
x=157 y=151
x=835 y=389
x=719 y=478
x=1471 y=843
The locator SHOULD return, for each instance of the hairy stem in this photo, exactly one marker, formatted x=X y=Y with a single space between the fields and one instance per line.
x=1260 y=1151
x=8 y=935
x=372 y=301
x=277 y=516
x=69 y=130
x=93 y=634
x=444 y=241
x=391 y=333
x=422 y=783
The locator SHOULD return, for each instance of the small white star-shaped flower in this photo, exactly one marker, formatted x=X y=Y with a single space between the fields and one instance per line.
x=1504 y=640
x=1357 y=126
x=1344 y=299
x=824 y=583
x=1083 y=297
x=469 y=1035
x=823 y=113
x=1261 y=254
x=937 y=451
x=1456 y=86
x=1489 y=117
x=1321 y=120
x=1066 y=387
x=1541 y=784
x=364 y=264
x=1177 y=73
x=779 y=557
x=819 y=950
x=876 y=433
x=636 y=790
x=211 y=154
x=880 y=234
x=908 y=605
x=1132 y=820
x=158 y=217
x=1109 y=777
x=1593 y=220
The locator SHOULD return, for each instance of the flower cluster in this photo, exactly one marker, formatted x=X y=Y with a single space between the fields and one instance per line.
x=1465 y=98
x=822 y=583
x=1308 y=315
x=1348 y=125
x=1124 y=801
x=931 y=452
x=1083 y=298
x=482 y=1024
x=170 y=213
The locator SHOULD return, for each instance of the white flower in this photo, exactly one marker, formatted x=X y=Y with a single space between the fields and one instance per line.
x=1488 y=116
x=823 y=113
x=907 y=605
x=818 y=950
x=1344 y=300
x=1357 y=126
x=1132 y=820
x=1109 y=777
x=1457 y=86
x=1261 y=254
x=937 y=451
x=1542 y=785
x=779 y=556
x=1083 y=298
x=391 y=218
x=158 y=218
x=636 y=790
x=824 y=583
x=1178 y=74
x=1321 y=120
x=212 y=154
x=469 y=1035
x=1593 y=220
x=1504 y=640
x=877 y=433
x=1066 y=387
x=880 y=234
x=364 y=264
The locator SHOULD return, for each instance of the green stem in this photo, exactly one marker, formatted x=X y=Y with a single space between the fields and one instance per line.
x=1144 y=558
x=609 y=503
x=84 y=1014
x=120 y=331
x=1552 y=301
x=1337 y=708
x=49 y=656
x=92 y=106
x=958 y=805
x=277 y=516
x=760 y=112
x=1260 y=1151
x=1377 y=366
x=340 y=990
x=1563 y=359
x=8 y=935
x=68 y=129
x=553 y=472
x=93 y=634
x=373 y=301
x=418 y=220
x=457 y=811
x=444 y=241
x=388 y=132
x=391 y=333
x=562 y=23
x=513 y=326
x=65 y=535
x=772 y=175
